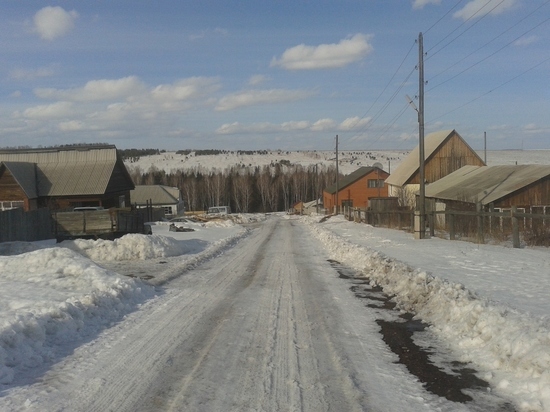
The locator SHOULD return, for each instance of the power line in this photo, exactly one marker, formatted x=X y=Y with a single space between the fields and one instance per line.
x=445 y=15
x=471 y=26
x=490 y=41
x=489 y=56
x=459 y=26
x=492 y=90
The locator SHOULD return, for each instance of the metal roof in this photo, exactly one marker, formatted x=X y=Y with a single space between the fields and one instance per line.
x=157 y=194
x=349 y=179
x=25 y=175
x=411 y=163
x=485 y=184
x=79 y=170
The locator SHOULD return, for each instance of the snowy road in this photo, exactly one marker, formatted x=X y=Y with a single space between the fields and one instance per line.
x=268 y=326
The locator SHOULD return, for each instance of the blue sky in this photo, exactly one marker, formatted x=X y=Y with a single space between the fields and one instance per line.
x=257 y=74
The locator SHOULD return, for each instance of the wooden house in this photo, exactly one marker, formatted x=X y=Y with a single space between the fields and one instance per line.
x=158 y=196
x=63 y=178
x=355 y=189
x=493 y=187
x=444 y=152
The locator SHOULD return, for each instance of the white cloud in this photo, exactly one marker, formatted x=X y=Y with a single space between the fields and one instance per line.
x=321 y=125
x=49 y=111
x=526 y=40
x=255 y=97
x=71 y=126
x=257 y=79
x=31 y=74
x=419 y=4
x=480 y=7
x=354 y=123
x=96 y=90
x=16 y=93
x=186 y=89
x=325 y=56
x=53 y=22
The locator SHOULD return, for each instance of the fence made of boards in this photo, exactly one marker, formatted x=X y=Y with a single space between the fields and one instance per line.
x=513 y=225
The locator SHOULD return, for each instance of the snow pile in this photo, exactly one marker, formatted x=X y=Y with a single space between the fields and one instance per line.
x=129 y=247
x=511 y=349
x=53 y=296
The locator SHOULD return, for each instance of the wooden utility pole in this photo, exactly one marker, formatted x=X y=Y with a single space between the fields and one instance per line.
x=337 y=175
x=422 y=197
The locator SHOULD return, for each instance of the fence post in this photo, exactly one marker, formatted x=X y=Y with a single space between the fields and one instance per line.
x=452 y=234
x=479 y=215
x=515 y=227
x=431 y=222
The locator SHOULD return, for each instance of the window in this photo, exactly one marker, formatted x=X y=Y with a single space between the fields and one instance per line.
x=7 y=205
x=374 y=183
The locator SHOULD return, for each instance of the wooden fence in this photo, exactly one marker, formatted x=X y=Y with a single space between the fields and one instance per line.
x=18 y=225
x=42 y=224
x=517 y=227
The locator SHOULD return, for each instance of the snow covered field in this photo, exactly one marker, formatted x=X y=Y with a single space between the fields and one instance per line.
x=488 y=303
x=348 y=160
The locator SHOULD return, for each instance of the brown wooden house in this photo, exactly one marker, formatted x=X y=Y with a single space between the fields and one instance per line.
x=355 y=189
x=63 y=178
x=493 y=187
x=444 y=152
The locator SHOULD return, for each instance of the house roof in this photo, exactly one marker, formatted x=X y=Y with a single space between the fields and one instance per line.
x=351 y=178
x=157 y=194
x=410 y=165
x=73 y=170
x=485 y=184
x=25 y=176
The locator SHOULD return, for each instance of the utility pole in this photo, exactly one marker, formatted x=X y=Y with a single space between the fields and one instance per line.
x=422 y=198
x=485 y=147
x=337 y=175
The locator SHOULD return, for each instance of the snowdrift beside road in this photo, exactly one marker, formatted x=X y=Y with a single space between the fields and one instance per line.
x=511 y=349
x=53 y=296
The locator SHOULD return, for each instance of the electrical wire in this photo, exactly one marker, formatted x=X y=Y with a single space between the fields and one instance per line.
x=490 y=41
x=442 y=17
x=489 y=56
x=490 y=91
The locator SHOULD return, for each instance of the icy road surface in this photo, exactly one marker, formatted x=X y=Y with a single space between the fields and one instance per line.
x=267 y=326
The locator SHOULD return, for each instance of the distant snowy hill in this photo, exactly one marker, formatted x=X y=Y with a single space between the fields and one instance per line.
x=348 y=160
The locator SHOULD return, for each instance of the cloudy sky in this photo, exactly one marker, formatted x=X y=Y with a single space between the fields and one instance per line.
x=264 y=74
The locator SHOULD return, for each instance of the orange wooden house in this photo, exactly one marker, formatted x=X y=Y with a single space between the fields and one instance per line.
x=355 y=189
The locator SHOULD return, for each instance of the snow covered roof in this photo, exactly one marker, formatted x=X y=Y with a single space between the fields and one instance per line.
x=485 y=184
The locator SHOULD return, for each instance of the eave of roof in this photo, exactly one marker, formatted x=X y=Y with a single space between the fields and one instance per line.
x=485 y=184
x=351 y=178
x=410 y=165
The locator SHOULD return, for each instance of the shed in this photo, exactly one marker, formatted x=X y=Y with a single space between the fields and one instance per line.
x=499 y=187
x=355 y=189
x=64 y=177
x=165 y=197
x=444 y=152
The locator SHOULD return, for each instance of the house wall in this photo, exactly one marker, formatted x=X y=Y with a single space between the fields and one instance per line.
x=358 y=192
x=453 y=154
x=536 y=194
x=10 y=191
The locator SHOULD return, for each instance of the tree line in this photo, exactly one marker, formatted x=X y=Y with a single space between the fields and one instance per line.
x=252 y=189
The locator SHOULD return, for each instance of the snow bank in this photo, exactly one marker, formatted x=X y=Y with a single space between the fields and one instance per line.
x=128 y=247
x=510 y=349
x=53 y=296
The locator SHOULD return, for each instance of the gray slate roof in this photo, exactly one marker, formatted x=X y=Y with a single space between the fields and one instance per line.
x=79 y=170
x=485 y=184
x=157 y=194
x=349 y=179
x=25 y=175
